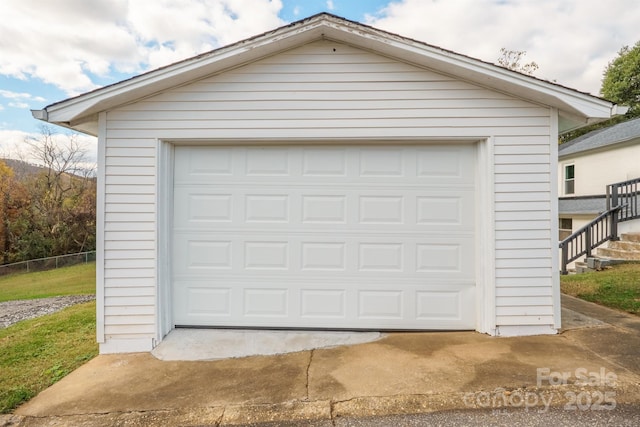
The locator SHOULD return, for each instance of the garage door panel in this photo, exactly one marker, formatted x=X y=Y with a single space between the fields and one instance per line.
x=380 y=209
x=445 y=305
x=266 y=303
x=324 y=162
x=445 y=210
x=381 y=162
x=208 y=254
x=201 y=164
x=423 y=164
x=402 y=209
x=363 y=306
x=202 y=206
x=356 y=237
x=441 y=257
x=266 y=255
x=267 y=208
x=323 y=208
x=450 y=163
x=205 y=301
x=267 y=161
x=318 y=256
x=317 y=303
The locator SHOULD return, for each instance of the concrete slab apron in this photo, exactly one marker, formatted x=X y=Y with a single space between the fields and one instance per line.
x=212 y=344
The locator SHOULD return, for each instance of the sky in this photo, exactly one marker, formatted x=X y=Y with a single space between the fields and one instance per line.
x=53 y=50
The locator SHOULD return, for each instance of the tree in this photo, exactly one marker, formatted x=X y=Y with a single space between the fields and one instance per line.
x=61 y=215
x=60 y=158
x=6 y=178
x=621 y=81
x=620 y=84
x=13 y=201
x=511 y=59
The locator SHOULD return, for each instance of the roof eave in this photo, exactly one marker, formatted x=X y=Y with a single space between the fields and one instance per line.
x=576 y=109
x=156 y=81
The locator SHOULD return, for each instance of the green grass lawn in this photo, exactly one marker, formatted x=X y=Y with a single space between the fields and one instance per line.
x=616 y=287
x=38 y=352
x=76 y=280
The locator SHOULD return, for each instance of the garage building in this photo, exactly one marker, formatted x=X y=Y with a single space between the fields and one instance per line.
x=327 y=175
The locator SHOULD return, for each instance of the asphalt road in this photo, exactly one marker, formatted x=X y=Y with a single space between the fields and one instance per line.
x=621 y=416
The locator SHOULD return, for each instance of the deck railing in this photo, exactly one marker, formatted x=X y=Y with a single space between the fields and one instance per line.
x=622 y=205
x=585 y=240
x=626 y=194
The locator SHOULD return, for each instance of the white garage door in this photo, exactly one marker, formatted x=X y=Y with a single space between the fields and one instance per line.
x=339 y=237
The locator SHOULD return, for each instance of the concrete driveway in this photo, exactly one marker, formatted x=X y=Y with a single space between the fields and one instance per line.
x=593 y=364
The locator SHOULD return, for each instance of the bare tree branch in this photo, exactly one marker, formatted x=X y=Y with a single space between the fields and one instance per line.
x=511 y=59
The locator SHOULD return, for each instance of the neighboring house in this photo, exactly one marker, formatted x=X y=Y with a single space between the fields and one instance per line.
x=587 y=164
x=327 y=175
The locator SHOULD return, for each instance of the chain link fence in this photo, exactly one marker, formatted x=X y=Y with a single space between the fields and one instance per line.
x=50 y=263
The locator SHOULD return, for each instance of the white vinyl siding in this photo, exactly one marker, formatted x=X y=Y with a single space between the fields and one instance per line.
x=331 y=92
x=523 y=231
x=129 y=240
x=342 y=94
x=590 y=178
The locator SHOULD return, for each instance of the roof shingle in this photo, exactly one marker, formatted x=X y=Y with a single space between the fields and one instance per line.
x=599 y=138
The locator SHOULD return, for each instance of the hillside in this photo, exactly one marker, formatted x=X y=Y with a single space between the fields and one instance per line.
x=22 y=169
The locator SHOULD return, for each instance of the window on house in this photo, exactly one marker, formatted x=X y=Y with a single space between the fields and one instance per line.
x=569 y=179
x=566 y=225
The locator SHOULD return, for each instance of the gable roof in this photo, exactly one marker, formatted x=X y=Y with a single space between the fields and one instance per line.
x=602 y=138
x=576 y=109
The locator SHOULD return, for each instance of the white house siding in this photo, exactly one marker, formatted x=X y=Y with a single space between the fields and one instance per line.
x=524 y=236
x=599 y=168
x=330 y=91
x=129 y=242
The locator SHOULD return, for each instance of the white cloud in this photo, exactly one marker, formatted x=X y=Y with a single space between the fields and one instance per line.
x=177 y=29
x=23 y=96
x=19 y=100
x=60 y=41
x=571 y=40
x=68 y=42
x=11 y=142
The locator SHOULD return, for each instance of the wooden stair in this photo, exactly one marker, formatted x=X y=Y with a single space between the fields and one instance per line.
x=627 y=248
